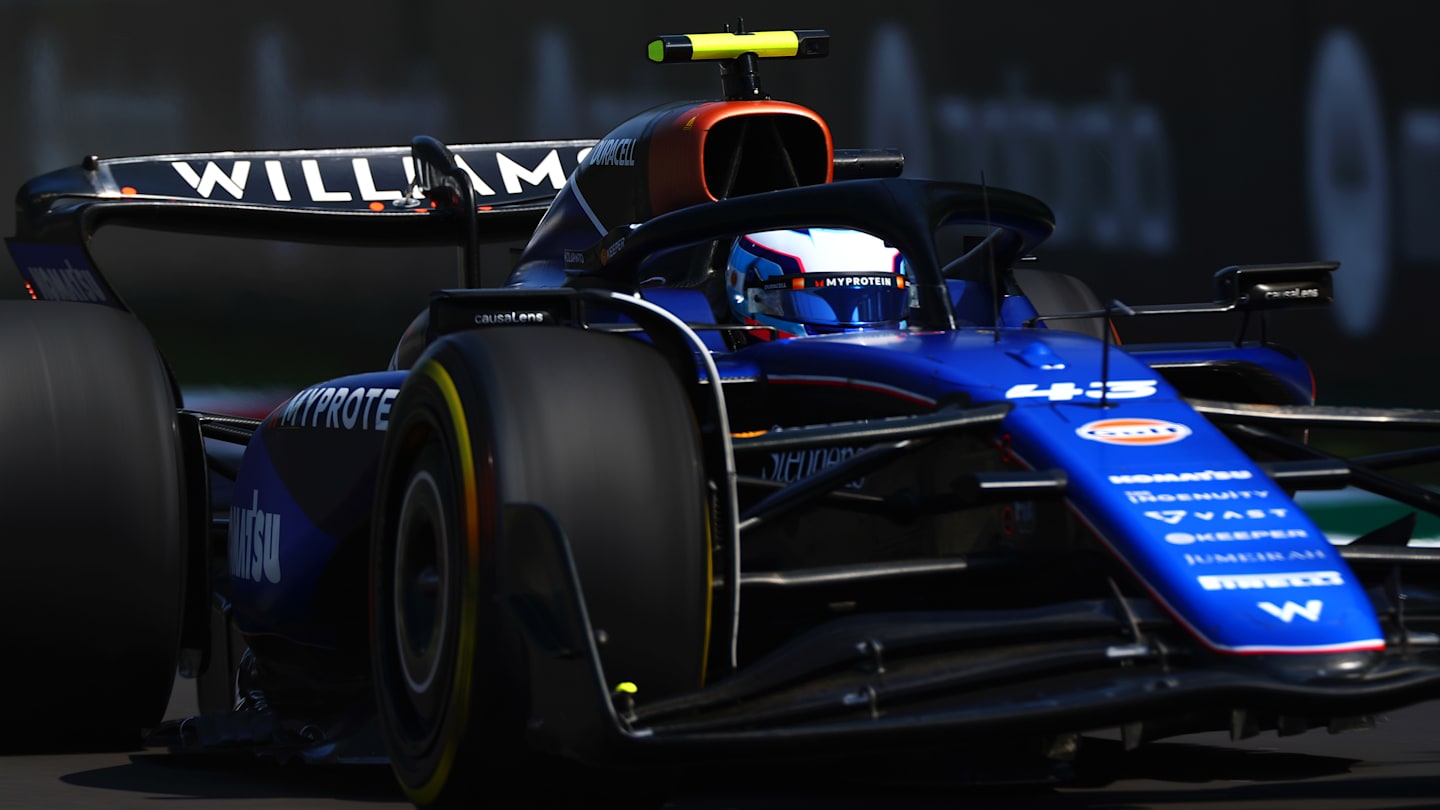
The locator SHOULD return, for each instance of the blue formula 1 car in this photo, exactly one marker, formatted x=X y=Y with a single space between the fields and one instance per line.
x=763 y=453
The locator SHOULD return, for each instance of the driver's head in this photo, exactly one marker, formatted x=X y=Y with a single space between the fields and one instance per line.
x=817 y=281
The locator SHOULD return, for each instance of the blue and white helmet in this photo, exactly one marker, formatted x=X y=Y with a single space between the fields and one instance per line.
x=817 y=281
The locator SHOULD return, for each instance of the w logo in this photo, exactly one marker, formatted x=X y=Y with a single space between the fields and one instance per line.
x=1310 y=612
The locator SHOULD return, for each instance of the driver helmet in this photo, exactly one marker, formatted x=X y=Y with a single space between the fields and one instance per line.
x=816 y=281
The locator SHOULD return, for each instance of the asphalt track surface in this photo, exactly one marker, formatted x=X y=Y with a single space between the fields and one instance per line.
x=1394 y=765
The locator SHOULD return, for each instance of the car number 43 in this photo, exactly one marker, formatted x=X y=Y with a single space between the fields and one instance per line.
x=1065 y=391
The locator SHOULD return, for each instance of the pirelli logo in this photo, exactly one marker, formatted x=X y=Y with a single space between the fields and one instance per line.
x=1247 y=582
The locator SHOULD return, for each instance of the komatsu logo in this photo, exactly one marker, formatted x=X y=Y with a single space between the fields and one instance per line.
x=1245 y=582
x=254 y=542
x=1182 y=477
x=68 y=283
x=340 y=408
x=321 y=183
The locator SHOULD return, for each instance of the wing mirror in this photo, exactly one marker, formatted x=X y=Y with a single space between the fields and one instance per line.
x=1273 y=286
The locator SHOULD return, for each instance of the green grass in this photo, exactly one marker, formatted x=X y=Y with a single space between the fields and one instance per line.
x=1349 y=513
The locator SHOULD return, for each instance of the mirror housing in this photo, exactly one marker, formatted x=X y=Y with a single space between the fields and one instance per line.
x=1275 y=286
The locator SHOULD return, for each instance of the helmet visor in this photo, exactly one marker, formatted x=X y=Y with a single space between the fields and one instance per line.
x=834 y=299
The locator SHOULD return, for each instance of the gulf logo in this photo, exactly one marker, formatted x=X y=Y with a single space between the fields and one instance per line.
x=1133 y=432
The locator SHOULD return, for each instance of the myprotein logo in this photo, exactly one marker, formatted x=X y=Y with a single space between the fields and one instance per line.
x=1133 y=432
x=857 y=281
x=254 y=542
x=1246 y=582
x=340 y=408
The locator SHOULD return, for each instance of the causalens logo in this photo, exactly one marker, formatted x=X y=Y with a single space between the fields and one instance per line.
x=1133 y=432
x=254 y=542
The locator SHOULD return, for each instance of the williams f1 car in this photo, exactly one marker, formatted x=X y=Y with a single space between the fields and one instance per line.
x=763 y=451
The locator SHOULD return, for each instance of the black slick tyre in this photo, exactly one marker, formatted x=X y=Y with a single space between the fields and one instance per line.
x=595 y=429
x=1053 y=293
x=92 y=492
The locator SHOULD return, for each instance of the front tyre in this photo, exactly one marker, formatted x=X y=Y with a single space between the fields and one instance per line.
x=595 y=429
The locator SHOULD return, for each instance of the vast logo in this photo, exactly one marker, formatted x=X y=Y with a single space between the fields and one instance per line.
x=1173 y=516
x=1310 y=612
x=1133 y=432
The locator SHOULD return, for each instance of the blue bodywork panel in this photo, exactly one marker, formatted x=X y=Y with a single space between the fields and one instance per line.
x=302 y=507
x=1217 y=543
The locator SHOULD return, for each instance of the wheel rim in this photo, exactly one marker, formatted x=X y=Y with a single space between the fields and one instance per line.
x=421 y=606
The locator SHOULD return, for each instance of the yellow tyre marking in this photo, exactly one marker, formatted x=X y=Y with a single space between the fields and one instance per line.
x=709 y=595
x=470 y=598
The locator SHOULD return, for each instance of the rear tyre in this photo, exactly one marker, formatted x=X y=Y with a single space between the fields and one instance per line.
x=92 y=493
x=597 y=430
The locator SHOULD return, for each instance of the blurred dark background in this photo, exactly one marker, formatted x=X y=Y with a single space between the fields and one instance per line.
x=1171 y=140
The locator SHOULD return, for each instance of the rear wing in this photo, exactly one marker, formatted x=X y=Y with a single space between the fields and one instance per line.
x=415 y=195
x=425 y=194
